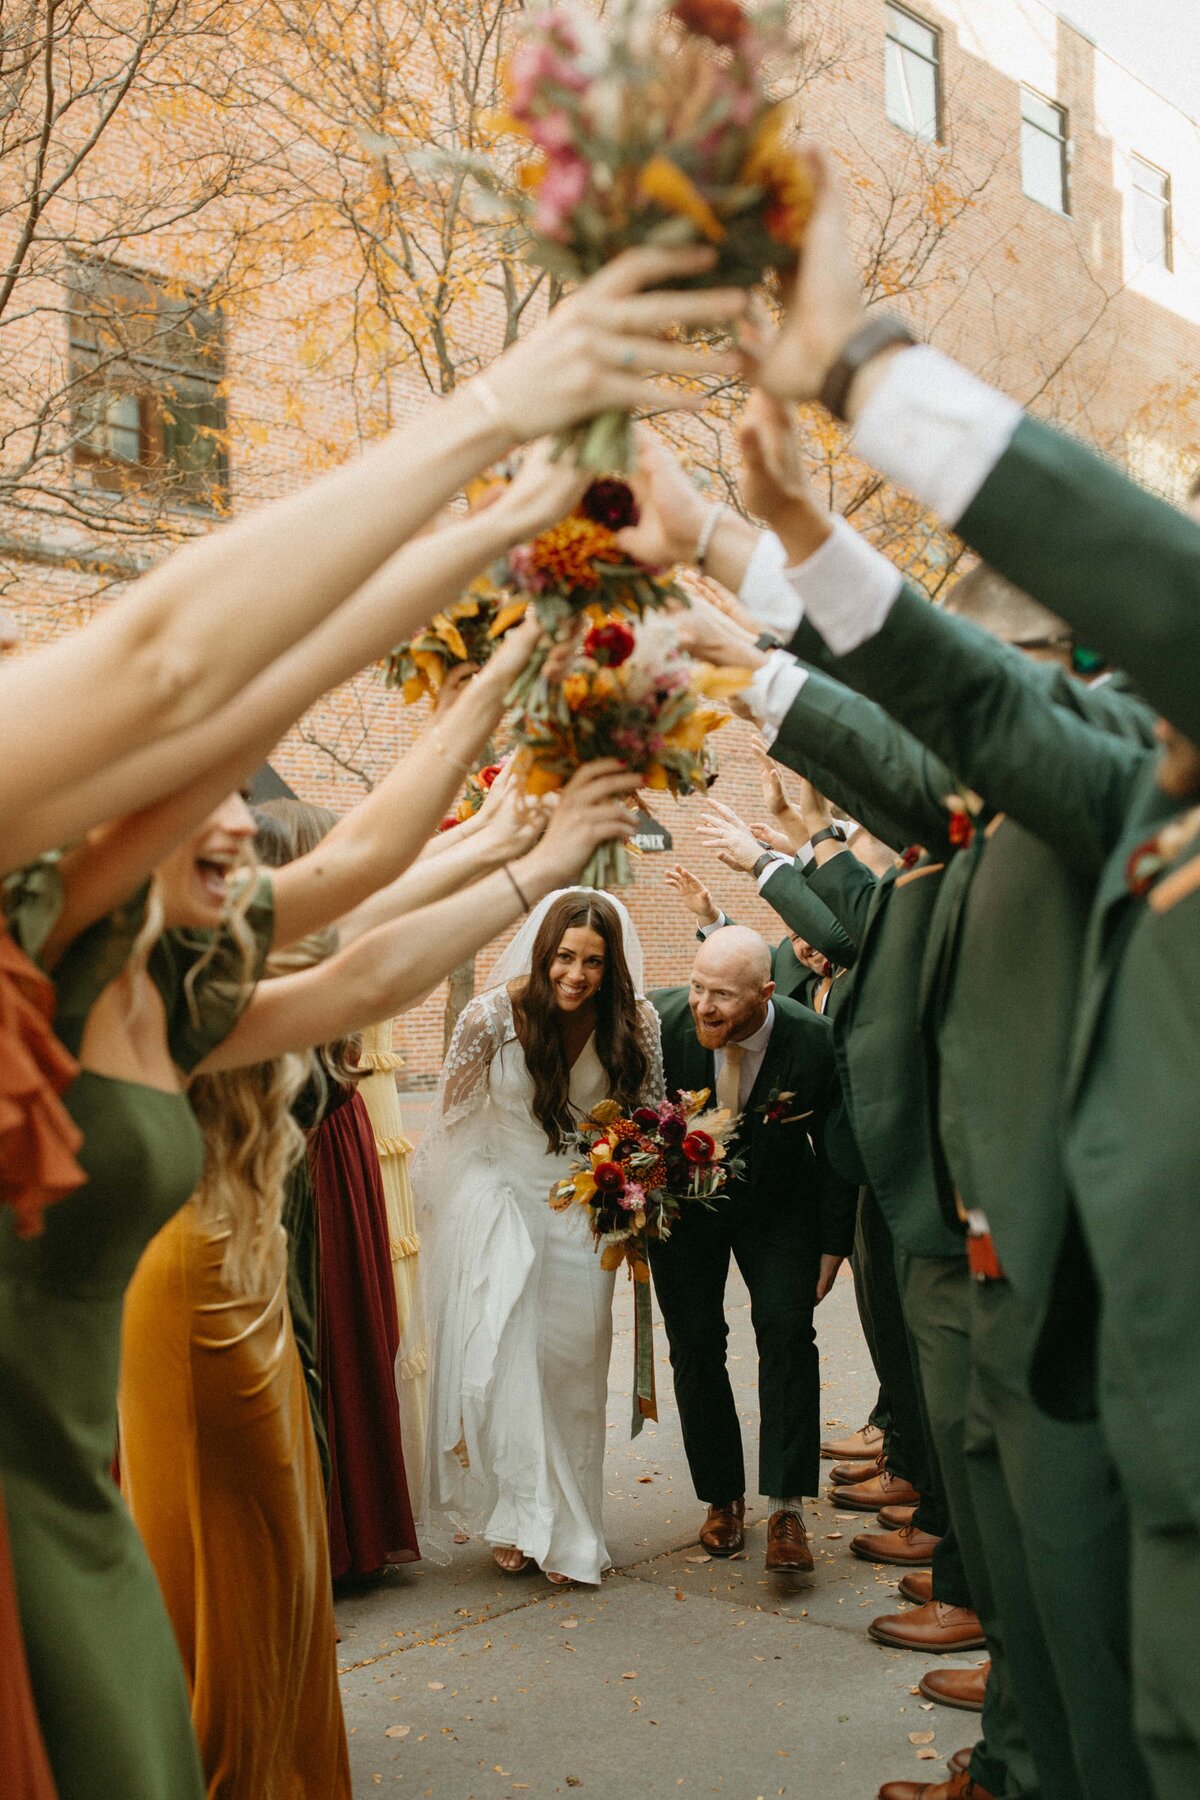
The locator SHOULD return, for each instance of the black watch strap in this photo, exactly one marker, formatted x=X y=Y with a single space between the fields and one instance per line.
x=766 y=640
x=833 y=832
x=877 y=332
x=763 y=862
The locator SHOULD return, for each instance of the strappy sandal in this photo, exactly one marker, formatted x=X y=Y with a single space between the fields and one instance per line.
x=559 y=1580
x=516 y=1568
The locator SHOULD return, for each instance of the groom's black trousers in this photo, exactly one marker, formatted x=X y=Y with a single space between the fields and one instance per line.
x=774 y=1246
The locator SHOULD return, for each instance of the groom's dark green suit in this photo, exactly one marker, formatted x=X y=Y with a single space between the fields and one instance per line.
x=789 y=1210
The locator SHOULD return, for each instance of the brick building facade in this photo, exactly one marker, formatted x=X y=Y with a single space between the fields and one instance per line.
x=1032 y=206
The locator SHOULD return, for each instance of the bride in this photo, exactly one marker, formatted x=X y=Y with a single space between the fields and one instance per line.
x=519 y=1309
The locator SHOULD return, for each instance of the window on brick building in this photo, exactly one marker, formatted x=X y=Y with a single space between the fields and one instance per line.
x=1152 y=228
x=912 y=74
x=1044 y=150
x=147 y=372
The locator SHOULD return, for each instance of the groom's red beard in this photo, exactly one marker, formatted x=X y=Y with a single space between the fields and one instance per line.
x=744 y=1023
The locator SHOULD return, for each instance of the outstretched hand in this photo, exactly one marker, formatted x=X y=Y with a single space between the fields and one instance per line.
x=730 y=837
x=695 y=896
x=825 y=306
x=709 y=636
x=671 y=509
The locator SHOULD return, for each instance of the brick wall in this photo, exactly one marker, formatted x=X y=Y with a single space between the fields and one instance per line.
x=1039 y=303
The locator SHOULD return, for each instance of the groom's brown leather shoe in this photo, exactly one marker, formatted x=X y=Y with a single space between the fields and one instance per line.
x=934 y=1626
x=788 y=1552
x=884 y=1489
x=867 y=1442
x=963 y=1688
x=721 y=1533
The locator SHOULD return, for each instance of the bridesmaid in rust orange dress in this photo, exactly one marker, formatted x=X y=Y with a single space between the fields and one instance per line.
x=38 y=1140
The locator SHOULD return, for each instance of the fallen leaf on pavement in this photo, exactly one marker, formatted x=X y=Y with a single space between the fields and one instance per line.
x=397 y=1731
x=698 y=1559
x=921 y=1737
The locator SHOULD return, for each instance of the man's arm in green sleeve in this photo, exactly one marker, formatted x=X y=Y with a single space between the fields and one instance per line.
x=1122 y=566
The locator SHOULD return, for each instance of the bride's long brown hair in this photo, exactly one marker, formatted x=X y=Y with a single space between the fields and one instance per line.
x=539 y=1021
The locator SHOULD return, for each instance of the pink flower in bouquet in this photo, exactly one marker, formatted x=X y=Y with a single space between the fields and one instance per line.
x=699 y=1147
x=540 y=61
x=525 y=570
x=562 y=188
x=634 y=1197
x=552 y=132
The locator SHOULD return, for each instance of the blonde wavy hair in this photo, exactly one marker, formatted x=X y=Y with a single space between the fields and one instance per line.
x=252 y=1138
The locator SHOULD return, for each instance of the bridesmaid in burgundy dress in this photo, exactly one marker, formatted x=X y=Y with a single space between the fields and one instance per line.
x=370 y=1516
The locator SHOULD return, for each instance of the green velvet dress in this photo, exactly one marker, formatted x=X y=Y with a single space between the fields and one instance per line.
x=104 y=1666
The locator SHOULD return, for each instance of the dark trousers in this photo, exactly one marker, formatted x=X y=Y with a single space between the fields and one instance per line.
x=780 y=1268
x=937 y=1304
x=908 y=1439
x=1047 y=1492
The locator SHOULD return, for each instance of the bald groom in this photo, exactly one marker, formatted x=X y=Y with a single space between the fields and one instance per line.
x=787 y=1224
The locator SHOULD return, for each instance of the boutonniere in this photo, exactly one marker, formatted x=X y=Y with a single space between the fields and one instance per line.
x=776 y=1109
x=964 y=808
x=1147 y=862
x=911 y=856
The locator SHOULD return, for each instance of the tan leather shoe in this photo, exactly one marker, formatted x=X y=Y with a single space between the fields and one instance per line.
x=959 y=1787
x=910 y=1546
x=960 y=1760
x=788 y=1551
x=934 y=1626
x=855 y=1471
x=867 y=1442
x=917 y=1587
x=895 y=1518
x=963 y=1688
x=882 y=1490
x=722 y=1533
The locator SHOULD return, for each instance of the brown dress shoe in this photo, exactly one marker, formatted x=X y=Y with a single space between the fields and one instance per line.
x=961 y=1760
x=882 y=1490
x=957 y=1687
x=917 y=1587
x=934 y=1626
x=855 y=1471
x=867 y=1442
x=722 y=1532
x=959 y=1787
x=895 y=1518
x=788 y=1551
x=910 y=1546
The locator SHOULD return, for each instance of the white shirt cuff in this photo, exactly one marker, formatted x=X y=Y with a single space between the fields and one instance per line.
x=804 y=855
x=765 y=591
x=778 y=862
x=935 y=430
x=707 y=930
x=772 y=691
x=846 y=588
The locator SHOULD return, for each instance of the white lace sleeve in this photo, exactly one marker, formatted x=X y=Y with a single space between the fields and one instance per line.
x=649 y=1034
x=463 y=1086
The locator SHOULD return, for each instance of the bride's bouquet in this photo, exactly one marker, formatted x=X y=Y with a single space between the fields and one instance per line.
x=634 y=697
x=654 y=126
x=633 y=1176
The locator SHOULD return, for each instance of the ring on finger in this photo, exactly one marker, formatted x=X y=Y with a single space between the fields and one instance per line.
x=628 y=357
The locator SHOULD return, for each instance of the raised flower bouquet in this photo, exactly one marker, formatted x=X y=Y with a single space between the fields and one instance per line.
x=654 y=126
x=466 y=632
x=636 y=698
x=634 y=1176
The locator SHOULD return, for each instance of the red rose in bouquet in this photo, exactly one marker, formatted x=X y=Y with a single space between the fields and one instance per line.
x=699 y=1147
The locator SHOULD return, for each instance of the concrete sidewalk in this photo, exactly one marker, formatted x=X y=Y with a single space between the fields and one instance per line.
x=681 y=1676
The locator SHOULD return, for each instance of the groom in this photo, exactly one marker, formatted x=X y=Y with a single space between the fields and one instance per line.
x=788 y=1223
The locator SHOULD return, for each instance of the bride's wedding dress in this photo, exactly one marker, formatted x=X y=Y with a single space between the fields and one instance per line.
x=520 y=1311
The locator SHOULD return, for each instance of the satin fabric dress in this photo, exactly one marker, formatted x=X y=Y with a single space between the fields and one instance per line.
x=520 y=1311
x=220 y=1467
x=104 y=1665
x=38 y=1142
x=370 y=1517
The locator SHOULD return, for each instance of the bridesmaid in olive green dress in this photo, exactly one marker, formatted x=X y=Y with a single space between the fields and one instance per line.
x=103 y=1661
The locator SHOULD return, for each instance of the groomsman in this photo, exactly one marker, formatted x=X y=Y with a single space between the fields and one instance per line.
x=788 y=1224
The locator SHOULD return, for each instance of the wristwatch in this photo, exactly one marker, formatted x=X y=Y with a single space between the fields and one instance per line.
x=830 y=833
x=877 y=332
x=764 y=862
x=766 y=640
